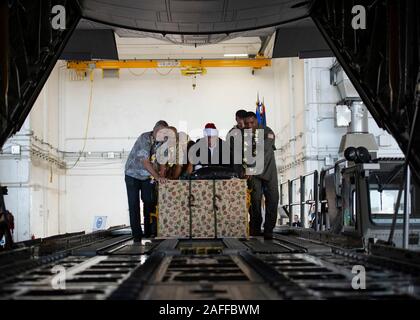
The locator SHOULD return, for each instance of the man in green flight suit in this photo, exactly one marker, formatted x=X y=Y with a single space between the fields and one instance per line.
x=265 y=183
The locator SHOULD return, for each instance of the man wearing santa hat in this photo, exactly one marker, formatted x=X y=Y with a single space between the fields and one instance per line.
x=214 y=146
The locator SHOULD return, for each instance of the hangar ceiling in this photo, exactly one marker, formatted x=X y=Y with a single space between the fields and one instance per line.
x=184 y=39
x=302 y=37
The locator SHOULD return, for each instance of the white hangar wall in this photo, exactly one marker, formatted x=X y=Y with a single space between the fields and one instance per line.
x=123 y=108
x=30 y=175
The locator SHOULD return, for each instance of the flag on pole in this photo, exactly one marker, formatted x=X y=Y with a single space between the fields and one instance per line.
x=260 y=112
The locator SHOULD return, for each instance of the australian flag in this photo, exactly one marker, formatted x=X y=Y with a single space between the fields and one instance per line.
x=260 y=112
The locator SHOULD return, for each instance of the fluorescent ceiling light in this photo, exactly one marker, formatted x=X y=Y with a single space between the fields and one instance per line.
x=236 y=55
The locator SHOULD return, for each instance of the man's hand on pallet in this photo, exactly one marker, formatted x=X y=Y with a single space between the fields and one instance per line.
x=161 y=180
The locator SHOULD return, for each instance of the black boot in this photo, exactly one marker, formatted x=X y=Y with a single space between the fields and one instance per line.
x=268 y=235
x=255 y=233
x=137 y=239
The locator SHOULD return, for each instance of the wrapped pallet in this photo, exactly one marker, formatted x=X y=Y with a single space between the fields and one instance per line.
x=203 y=209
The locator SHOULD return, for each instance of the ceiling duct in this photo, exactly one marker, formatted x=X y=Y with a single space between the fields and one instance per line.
x=340 y=79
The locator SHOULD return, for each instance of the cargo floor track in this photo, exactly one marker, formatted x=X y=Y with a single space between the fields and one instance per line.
x=108 y=265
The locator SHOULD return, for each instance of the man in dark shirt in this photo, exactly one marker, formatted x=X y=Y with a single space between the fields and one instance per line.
x=265 y=183
x=240 y=116
x=296 y=222
x=235 y=140
x=138 y=173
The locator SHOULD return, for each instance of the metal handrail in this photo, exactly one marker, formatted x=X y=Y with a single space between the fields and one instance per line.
x=303 y=201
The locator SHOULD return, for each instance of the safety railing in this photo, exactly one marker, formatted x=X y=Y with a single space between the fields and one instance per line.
x=318 y=200
x=303 y=201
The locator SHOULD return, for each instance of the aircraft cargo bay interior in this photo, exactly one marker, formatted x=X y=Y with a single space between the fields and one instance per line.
x=209 y=150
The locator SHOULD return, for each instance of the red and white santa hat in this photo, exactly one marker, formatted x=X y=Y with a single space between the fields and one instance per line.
x=210 y=130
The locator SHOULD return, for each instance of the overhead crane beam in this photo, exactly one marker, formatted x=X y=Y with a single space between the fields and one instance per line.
x=257 y=63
